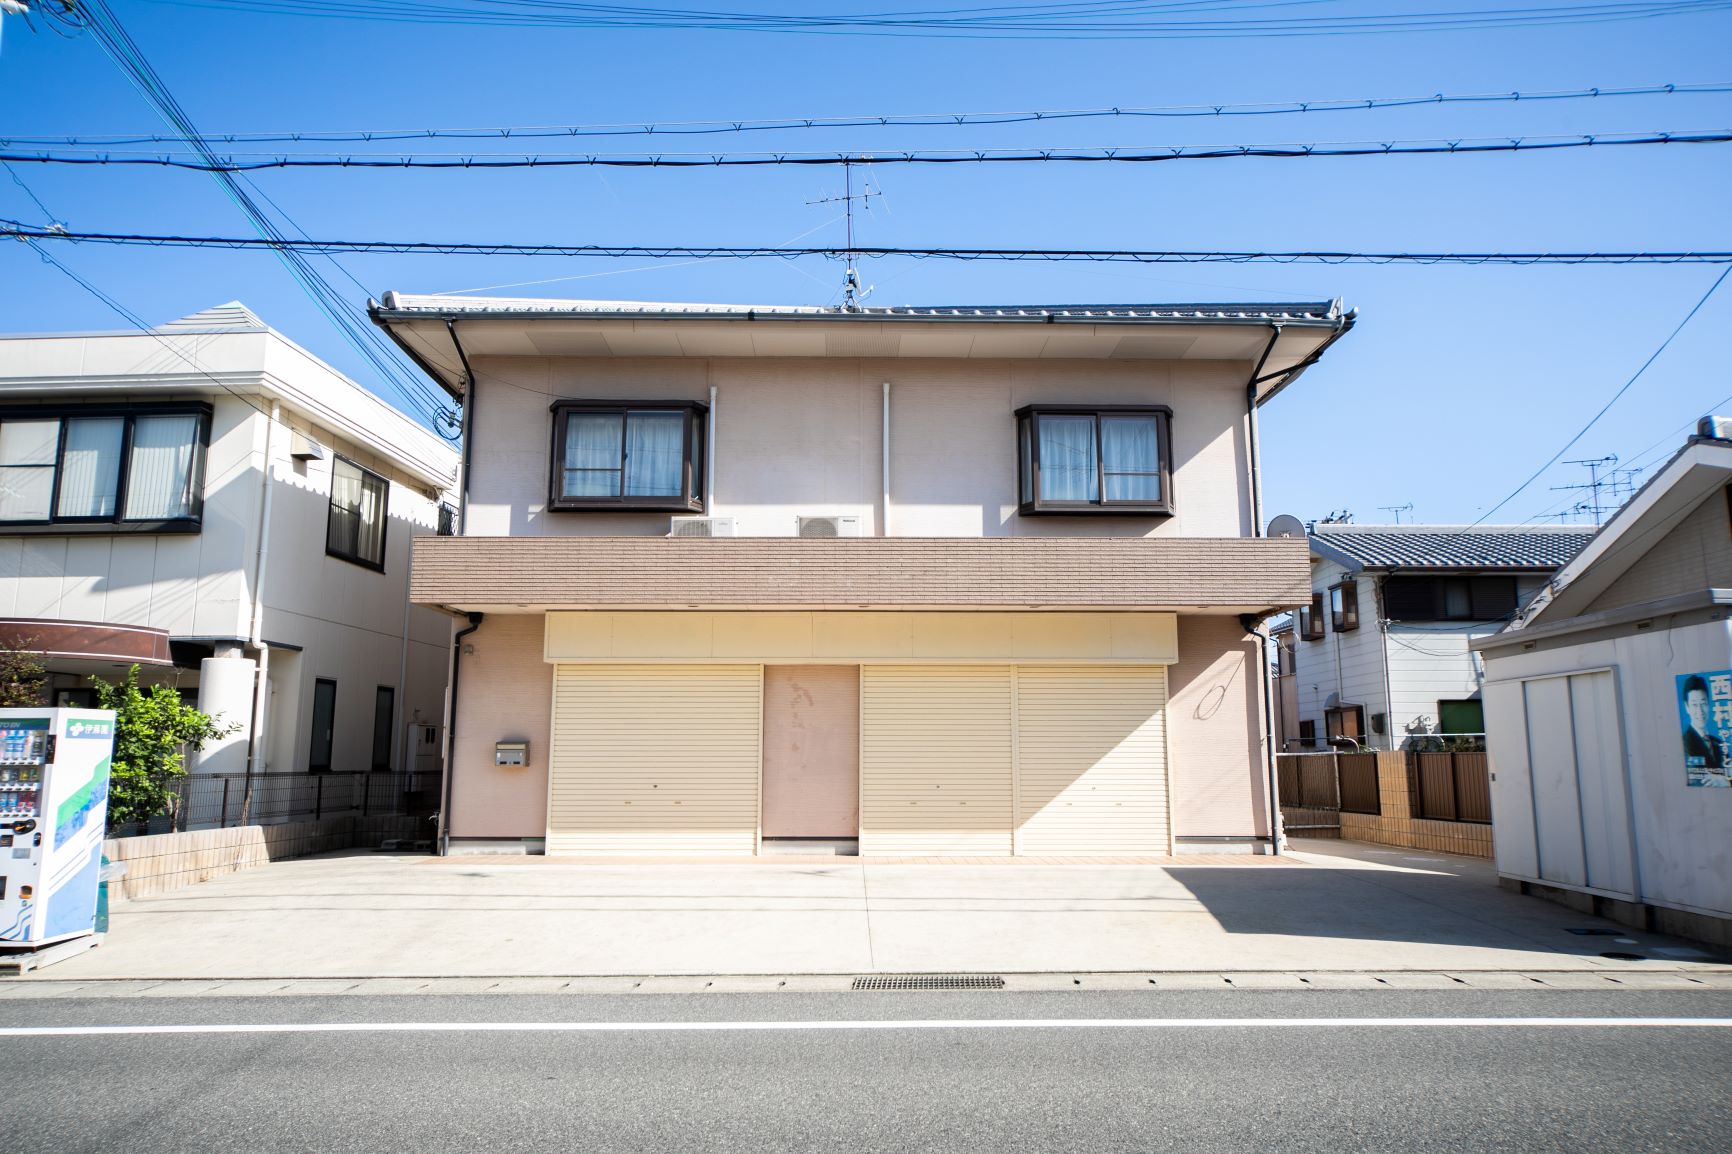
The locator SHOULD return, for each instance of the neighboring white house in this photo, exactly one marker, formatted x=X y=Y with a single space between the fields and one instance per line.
x=1609 y=707
x=133 y=485
x=1382 y=654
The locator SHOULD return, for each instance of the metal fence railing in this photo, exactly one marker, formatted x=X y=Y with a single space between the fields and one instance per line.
x=219 y=800
x=1450 y=786
x=1357 y=773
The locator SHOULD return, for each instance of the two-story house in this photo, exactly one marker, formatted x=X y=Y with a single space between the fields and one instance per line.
x=1382 y=655
x=213 y=503
x=894 y=581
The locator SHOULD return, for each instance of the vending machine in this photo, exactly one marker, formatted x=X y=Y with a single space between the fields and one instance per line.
x=54 y=769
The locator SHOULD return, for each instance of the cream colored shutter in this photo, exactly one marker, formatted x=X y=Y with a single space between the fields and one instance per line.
x=654 y=759
x=1091 y=760
x=935 y=760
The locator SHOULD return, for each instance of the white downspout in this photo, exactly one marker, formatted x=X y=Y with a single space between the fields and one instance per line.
x=884 y=522
x=261 y=566
x=710 y=457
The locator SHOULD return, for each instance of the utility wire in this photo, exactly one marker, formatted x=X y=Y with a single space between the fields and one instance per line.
x=208 y=161
x=737 y=125
x=1116 y=21
x=1624 y=388
x=661 y=252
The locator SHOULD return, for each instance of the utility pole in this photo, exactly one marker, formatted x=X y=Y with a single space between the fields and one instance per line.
x=852 y=293
x=1606 y=487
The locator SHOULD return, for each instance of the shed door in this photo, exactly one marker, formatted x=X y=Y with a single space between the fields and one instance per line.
x=1091 y=760
x=935 y=760
x=654 y=759
x=811 y=751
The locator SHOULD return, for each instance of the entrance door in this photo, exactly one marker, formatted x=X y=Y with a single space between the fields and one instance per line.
x=811 y=751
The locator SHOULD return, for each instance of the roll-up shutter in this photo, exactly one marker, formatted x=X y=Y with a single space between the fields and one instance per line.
x=935 y=760
x=654 y=759
x=1091 y=760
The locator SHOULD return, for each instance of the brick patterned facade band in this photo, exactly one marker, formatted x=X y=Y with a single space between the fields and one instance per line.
x=1117 y=573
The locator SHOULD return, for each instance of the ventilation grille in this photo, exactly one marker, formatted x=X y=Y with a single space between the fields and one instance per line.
x=930 y=982
x=828 y=526
x=701 y=527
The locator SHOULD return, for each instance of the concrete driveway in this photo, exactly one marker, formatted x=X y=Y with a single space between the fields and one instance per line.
x=1328 y=907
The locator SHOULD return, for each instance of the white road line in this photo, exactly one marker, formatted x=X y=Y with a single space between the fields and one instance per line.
x=894 y=1024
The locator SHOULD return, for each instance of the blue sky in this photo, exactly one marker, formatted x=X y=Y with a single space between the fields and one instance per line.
x=1456 y=384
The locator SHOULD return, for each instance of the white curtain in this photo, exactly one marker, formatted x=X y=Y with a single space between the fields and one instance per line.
x=370 y=533
x=654 y=454
x=27 y=451
x=343 y=534
x=1131 y=458
x=592 y=466
x=90 y=467
x=160 y=483
x=1067 y=459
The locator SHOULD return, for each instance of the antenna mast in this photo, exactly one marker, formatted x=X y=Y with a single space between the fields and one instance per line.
x=852 y=293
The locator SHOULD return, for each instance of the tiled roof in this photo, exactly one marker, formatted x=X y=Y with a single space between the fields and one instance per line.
x=1451 y=546
x=1313 y=312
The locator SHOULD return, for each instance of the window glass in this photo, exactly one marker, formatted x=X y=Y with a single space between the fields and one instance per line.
x=162 y=484
x=90 y=467
x=1461 y=716
x=1131 y=457
x=1068 y=469
x=1457 y=605
x=356 y=529
x=27 y=450
x=592 y=455
x=654 y=454
x=1025 y=447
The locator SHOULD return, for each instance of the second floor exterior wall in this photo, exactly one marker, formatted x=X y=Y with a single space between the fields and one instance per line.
x=803 y=436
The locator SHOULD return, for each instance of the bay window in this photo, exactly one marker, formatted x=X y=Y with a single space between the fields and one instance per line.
x=1096 y=459
x=103 y=468
x=627 y=455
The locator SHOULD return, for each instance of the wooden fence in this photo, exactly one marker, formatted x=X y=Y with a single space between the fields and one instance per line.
x=1450 y=786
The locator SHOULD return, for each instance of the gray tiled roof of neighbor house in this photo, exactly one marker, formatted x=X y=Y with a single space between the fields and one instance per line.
x=1532 y=547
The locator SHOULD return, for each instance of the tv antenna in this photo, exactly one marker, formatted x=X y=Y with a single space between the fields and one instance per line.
x=852 y=293
x=1398 y=510
x=1607 y=487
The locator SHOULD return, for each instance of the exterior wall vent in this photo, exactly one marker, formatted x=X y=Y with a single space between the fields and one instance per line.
x=304 y=448
x=701 y=527
x=834 y=526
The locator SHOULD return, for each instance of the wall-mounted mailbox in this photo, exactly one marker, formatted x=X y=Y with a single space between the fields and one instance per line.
x=511 y=753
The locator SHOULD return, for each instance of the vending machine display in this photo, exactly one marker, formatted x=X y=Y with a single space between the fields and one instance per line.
x=54 y=770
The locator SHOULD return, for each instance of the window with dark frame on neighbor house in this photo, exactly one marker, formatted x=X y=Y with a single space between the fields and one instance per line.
x=1449 y=598
x=1344 y=607
x=355 y=530
x=1345 y=722
x=102 y=468
x=627 y=455
x=1308 y=734
x=1094 y=459
x=1311 y=619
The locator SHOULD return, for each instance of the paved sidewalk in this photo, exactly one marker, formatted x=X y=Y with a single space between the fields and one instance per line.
x=1333 y=907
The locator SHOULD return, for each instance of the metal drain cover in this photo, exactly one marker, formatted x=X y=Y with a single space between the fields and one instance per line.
x=930 y=982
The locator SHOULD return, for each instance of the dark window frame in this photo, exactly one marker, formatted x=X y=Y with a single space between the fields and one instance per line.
x=1307 y=734
x=388 y=695
x=1333 y=729
x=691 y=498
x=313 y=735
x=1346 y=618
x=1311 y=619
x=446 y=526
x=1028 y=462
x=1477 y=591
x=59 y=526
x=341 y=554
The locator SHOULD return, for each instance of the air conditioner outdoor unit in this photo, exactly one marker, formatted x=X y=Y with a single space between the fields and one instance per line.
x=701 y=527
x=832 y=526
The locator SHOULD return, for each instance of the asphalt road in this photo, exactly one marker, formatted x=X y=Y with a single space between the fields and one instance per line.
x=846 y=1081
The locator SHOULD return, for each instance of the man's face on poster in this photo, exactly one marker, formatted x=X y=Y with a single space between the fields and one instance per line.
x=1696 y=705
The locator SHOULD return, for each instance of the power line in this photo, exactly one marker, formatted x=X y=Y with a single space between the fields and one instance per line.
x=737 y=125
x=1624 y=388
x=209 y=161
x=1085 y=21
x=668 y=252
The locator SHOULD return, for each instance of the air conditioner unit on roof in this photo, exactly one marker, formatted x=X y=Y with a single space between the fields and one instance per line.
x=701 y=527
x=845 y=525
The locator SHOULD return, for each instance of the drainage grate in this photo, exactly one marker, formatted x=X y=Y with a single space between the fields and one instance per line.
x=930 y=982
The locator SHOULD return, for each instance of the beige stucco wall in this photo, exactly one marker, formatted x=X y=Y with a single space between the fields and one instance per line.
x=506 y=694
x=1696 y=554
x=1214 y=720
x=798 y=436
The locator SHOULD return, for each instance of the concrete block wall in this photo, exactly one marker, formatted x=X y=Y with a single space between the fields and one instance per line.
x=1394 y=827
x=159 y=863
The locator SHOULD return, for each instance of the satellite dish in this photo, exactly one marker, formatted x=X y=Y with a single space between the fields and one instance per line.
x=1286 y=525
